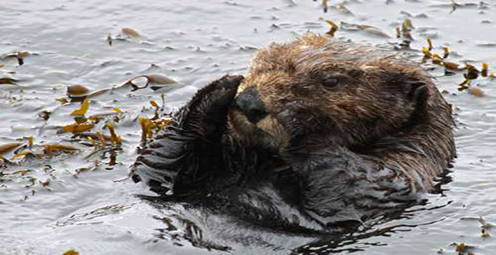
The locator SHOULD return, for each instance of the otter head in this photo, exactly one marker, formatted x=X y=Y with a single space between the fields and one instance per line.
x=317 y=92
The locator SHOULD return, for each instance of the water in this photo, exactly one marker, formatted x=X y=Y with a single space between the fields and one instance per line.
x=47 y=207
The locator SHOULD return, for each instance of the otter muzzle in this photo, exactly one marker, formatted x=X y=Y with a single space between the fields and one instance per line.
x=250 y=104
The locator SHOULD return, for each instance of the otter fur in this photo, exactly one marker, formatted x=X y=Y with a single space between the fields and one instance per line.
x=331 y=131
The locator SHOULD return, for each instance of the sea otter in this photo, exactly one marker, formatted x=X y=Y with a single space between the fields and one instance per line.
x=330 y=131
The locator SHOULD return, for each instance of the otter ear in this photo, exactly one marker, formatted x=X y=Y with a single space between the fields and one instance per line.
x=418 y=92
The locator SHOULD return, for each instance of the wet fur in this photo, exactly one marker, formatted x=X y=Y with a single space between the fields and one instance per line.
x=387 y=107
x=366 y=148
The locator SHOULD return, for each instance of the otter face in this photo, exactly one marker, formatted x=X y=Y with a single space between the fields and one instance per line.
x=316 y=91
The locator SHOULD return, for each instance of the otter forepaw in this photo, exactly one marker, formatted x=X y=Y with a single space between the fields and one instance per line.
x=206 y=114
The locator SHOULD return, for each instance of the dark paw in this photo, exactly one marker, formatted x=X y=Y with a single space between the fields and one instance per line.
x=206 y=113
x=217 y=94
x=222 y=94
x=228 y=82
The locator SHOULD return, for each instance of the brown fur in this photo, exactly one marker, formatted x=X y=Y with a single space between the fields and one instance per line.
x=386 y=109
x=332 y=131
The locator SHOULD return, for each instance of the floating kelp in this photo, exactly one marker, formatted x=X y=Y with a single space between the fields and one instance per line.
x=78 y=128
x=71 y=252
x=62 y=100
x=146 y=128
x=114 y=138
x=333 y=28
x=98 y=92
x=429 y=42
x=22 y=172
x=406 y=29
x=454 y=5
x=148 y=125
x=83 y=109
x=8 y=80
x=471 y=72
x=341 y=7
x=125 y=34
x=446 y=52
x=97 y=139
x=24 y=154
x=19 y=55
x=398 y=32
x=130 y=32
x=404 y=33
x=109 y=39
x=154 y=81
x=367 y=29
x=453 y=67
x=462 y=248
x=325 y=5
x=484 y=223
x=485 y=233
x=52 y=148
x=485 y=226
x=476 y=92
x=154 y=104
x=484 y=70
x=8 y=147
x=101 y=138
x=101 y=116
x=77 y=92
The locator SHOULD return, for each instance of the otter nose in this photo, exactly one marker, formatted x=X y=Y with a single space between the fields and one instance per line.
x=249 y=103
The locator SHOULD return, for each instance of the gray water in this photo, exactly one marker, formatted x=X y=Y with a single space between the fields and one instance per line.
x=83 y=201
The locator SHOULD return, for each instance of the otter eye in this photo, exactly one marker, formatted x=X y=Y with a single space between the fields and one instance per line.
x=330 y=82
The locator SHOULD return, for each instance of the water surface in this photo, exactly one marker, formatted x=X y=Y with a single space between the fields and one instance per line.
x=83 y=201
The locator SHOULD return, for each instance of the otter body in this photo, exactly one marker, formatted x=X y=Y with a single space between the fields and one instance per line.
x=319 y=133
